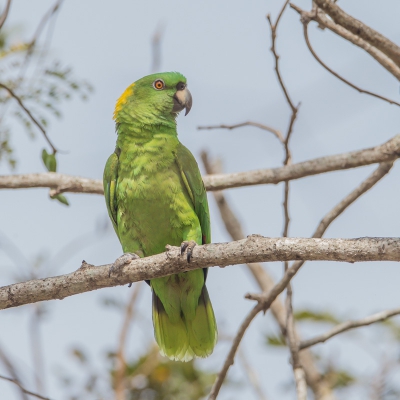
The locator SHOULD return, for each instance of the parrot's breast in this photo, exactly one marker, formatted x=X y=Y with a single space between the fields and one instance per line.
x=154 y=207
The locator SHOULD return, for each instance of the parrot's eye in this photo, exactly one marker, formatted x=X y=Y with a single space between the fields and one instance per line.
x=159 y=84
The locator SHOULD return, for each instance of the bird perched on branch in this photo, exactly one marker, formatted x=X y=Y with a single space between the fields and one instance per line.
x=155 y=196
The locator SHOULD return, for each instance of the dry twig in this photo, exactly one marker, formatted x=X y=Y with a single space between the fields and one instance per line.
x=264 y=127
x=5 y=13
x=33 y=119
x=306 y=17
x=322 y=20
x=358 y=28
x=348 y=325
x=38 y=396
x=319 y=386
x=119 y=380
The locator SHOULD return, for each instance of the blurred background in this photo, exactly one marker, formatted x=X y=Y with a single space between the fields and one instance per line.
x=85 y=55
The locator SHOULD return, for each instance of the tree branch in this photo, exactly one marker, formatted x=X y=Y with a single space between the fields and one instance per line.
x=267 y=128
x=23 y=389
x=322 y=19
x=33 y=119
x=305 y=31
x=5 y=13
x=319 y=386
x=253 y=249
x=345 y=326
x=358 y=28
x=388 y=151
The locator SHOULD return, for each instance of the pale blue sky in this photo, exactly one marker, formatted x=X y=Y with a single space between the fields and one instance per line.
x=223 y=50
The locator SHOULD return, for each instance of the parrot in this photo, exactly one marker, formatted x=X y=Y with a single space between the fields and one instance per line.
x=155 y=197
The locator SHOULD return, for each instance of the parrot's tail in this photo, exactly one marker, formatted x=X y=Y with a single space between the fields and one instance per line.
x=182 y=340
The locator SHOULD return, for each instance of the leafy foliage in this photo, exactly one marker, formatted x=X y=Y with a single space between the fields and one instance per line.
x=316 y=316
x=151 y=377
x=41 y=86
x=156 y=378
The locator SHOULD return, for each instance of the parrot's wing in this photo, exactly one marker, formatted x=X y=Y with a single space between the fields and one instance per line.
x=110 y=185
x=194 y=184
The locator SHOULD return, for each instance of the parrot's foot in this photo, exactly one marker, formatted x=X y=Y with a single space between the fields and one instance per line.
x=120 y=262
x=188 y=246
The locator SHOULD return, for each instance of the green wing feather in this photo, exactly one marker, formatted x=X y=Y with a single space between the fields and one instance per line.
x=110 y=188
x=195 y=187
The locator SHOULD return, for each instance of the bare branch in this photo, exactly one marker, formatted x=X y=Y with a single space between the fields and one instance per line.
x=375 y=177
x=319 y=386
x=120 y=372
x=264 y=302
x=360 y=29
x=276 y=56
x=267 y=128
x=321 y=18
x=5 y=13
x=253 y=249
x=252 y=375
x=60 y=182
x=345 y=326
x=33 y=119
x=388 y=151
x=12 y=371
x=306 y=21
x=23 y=389
x=300 y=379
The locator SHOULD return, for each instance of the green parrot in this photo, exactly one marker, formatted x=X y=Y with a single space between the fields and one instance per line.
x=155 y=196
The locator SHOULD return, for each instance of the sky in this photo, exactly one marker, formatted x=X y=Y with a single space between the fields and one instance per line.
x=223 y=50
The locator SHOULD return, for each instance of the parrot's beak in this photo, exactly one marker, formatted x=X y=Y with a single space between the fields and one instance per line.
x=182 y=99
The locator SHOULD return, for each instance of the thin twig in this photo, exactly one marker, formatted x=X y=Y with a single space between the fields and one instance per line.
x=324 y=21
x=299 y=375
x=264 y=127
x=348 y=325
x=358 y=28
x=5 y=13
x=23 y=389
x=12 y=371
x=252 y=375
x=319 y=386
x=374 y=178
x=264 y=302
x=33 y=119
x=121 y=366
x=312 y=51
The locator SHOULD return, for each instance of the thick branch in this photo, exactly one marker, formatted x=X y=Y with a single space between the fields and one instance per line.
x=388 y=151
x=345 y=326
x=360 y=29
x=253 y=249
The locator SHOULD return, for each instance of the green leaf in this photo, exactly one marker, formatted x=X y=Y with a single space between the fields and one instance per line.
x=49 y=161
x=316 y=316
x=277 y=341
x=61 y=198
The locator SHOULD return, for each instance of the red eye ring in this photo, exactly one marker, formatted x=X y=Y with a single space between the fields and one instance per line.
x=159 y=84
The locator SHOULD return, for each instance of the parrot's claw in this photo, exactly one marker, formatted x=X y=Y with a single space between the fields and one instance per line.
x=188 y=246
x=120 y=262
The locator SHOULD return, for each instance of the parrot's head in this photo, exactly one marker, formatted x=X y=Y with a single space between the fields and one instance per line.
x=154 y=98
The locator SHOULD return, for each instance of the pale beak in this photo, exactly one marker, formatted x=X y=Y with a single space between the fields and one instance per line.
x=182 y=99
